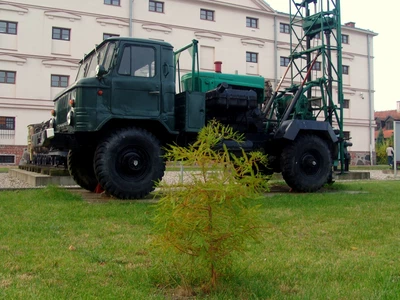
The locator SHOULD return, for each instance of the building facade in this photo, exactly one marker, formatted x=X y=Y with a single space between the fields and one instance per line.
x=41 y=43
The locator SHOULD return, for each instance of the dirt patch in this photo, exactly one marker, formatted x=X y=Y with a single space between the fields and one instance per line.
x=105 y=198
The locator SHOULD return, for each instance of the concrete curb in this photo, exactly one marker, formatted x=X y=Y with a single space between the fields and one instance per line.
x=36 y=179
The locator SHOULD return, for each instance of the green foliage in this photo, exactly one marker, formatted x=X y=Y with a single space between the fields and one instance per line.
x=202 y=224
x=380 y=148
x=381 y=138
x=381 y=154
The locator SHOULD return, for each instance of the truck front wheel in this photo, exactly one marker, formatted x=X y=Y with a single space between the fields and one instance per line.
x=306 y=163
x=129 y=163
x=80 y=167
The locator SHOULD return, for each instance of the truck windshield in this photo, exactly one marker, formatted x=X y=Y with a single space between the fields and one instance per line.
x=102 y=56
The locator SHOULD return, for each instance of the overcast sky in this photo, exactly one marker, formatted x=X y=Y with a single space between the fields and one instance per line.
x=382 y=18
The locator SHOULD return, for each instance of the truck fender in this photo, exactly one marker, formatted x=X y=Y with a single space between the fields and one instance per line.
x=289 y=129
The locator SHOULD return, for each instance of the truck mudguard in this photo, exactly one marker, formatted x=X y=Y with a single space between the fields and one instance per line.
x=290 y=129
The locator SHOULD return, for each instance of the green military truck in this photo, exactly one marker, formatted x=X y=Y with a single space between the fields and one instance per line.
x=129 y=100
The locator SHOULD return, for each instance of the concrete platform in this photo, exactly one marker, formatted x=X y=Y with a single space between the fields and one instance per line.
x=37 y=179
x=45 y=170
x=390 y=171
x=352 y=176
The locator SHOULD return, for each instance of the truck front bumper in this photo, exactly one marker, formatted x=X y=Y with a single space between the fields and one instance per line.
x=43 y=138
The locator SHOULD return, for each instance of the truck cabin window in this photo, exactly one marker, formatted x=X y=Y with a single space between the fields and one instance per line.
x=137 y=61
x=103 y=57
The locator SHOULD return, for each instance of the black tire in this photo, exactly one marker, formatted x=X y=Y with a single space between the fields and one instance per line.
x=80 y=167
x=129 y=163
x=306 y=163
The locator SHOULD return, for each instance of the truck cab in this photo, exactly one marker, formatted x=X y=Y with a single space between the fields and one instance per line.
x=121 y=79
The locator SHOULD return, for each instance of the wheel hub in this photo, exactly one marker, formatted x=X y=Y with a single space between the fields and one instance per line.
x=132 y=162
x=309 y=164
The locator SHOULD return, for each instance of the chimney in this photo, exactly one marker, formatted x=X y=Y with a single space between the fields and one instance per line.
x=217 y=66
x=398 y=106
x=350 y=24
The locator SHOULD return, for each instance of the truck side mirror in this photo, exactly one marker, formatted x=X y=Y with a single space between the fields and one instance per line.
x=100 y=71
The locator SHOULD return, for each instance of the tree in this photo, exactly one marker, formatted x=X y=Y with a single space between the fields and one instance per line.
x=381 y=138
x=380 y=149
x=201 y=223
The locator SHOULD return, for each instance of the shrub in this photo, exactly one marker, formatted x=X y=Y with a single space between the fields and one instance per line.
x=380 y=148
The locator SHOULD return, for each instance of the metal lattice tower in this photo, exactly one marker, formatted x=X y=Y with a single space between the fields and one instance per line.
x=316 y=59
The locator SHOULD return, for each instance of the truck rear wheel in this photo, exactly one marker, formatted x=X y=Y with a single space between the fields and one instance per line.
x=80 y=167
x=128 y=163
x=306 y=163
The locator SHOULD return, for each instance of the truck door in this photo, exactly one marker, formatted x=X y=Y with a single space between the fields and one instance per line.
x=136 y=86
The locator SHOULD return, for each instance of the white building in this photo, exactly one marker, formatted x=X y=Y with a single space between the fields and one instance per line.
x=41 y=42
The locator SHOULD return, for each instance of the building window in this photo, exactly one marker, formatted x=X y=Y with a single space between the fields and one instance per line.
x=285 y=61
x=7 y=159
x=61 y=34
x=7 y=77
x=109 y=35
x=284 y=28
x=7 y=129
x=156 y=6
x=345 y=39
x=59 y=81
x=251 y=22
x=112 y=2
x=316 y=102
x=346 y=135
x=7 y=123
x=346 y=103
x=8 y=27
x=206 y=14
x=251 y=57
x=345 y=70
x=317 y=66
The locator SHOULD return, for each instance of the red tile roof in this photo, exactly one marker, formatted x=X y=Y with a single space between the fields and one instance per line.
x=386 y=133
x=387 y=113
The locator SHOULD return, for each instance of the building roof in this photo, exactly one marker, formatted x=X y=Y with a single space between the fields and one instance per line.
x=383 y=115
x=386 y=133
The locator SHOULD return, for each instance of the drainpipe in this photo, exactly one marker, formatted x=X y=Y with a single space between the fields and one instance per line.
x=275 y=52
x=370 y=97
x=130 y=18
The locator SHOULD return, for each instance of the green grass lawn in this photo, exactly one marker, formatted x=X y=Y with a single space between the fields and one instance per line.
x=342 y=243
x=4 y=169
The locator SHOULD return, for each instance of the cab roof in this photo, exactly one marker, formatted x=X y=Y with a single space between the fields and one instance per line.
x=137 y=40
x=128 y=39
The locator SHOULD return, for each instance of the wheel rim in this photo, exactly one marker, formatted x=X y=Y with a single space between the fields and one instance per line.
x=133 y=163
x=310 y=162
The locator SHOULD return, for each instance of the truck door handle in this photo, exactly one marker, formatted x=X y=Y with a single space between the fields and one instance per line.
x=154 y=93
